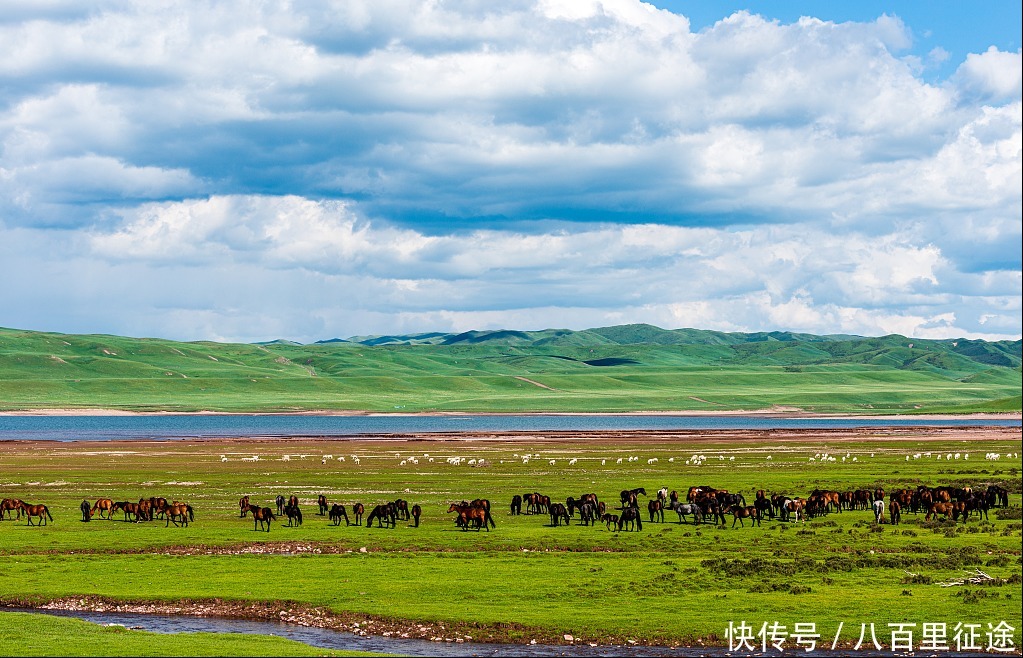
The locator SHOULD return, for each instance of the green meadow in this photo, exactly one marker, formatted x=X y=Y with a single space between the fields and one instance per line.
x=616 y=369
x=671 y=583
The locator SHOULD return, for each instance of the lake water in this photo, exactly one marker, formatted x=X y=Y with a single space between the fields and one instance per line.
x=331 y=639
x=184 y=426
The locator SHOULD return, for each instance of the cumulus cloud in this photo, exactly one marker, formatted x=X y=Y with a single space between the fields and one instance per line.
x=495 y=162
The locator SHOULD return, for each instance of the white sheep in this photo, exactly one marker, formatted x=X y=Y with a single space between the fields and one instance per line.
x=552 y=462
x=285 y=458
x=619 y=461
x=573 y=461
x=671 y=460
x=223 y=458
x=652 y=460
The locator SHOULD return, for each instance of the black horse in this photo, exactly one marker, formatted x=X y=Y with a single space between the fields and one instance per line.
x=516 y=505
x=337 y=512
x=281 y=502
x=656 y=509
x=588 y=514
x=630 y=516
x=384 y=514
x=86 y=511
x=294 y=515
x=628 y=497
x=401 y=509
x=417 y=511
x=558 y=514
x=324 y=506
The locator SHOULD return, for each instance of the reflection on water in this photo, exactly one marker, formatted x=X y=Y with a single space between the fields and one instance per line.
x=331 y=639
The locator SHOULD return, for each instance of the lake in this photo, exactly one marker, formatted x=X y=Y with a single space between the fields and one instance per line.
x=187 y=426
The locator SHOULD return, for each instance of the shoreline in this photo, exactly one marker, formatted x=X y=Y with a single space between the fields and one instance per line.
x=774 y=412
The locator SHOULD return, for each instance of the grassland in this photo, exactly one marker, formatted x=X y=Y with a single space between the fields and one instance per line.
x=668 y=584
x=515 y=372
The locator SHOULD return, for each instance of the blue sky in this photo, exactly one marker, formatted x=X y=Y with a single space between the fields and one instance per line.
x=249 y=171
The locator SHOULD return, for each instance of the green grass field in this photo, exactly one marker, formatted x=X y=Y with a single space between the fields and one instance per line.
x=670 y=583
x=865 y=376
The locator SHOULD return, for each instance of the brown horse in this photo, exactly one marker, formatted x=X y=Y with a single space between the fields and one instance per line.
x=894 y=512
x=939 y=508
x=324 y=506
x=467 y=514
x=656 y=509
x=417 y=511
x=358 y=509
x=130 y=510
x=178 y=513
x=41 y=511
x=145 y=509
x=8 y=505
x=261 y=515
x=740 y=513
x=243 y=506
x=103 y=505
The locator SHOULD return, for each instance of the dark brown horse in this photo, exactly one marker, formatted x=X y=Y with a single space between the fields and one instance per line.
x=336 y=514
x=740 y=513
x=86 y=511
x=894 y=512
x=41 y=511
x=261 y=515
x=324 y=506
x=656 y=509
x=243 y=506
x=8 y=505
x=129 y=509
x=358 y=509
x=417 y=511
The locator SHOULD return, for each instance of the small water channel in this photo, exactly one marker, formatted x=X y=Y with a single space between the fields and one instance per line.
x=331 y=639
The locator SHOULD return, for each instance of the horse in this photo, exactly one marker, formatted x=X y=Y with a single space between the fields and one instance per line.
x=243 y=506
x=401 y=509
x=558 y=513
x=630 y=516
x=41 y=511
x=417 y=511
x=629 y=496
x=469 y=514
x=685 y=509
x=261 y=515
x=588 y=514
x=86 y=511
x=609 y=520
x=797 y=507
x=336 y=512
x=103 y=505
x=764 y=506
x=662 y=495
x=145 y=509
x=878 y=510
x=740 y=513
x=861 y=499
x=484 y=504
x=129 y=509
x=294 y=515
x=357 y=511
x=894 y=512
x=656 y=509
x=516 y=505
x=280 y=501
x=179 y=514
x=158 y=506
x=324 y=507
x=383 y=514
x=8 y=505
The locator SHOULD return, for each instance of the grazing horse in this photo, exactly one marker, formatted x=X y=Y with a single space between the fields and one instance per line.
x=894 y=512
x=687 y=509
x=324 y=507
x=8 y=505
x=280 y=501
x=469 y=514
x=656 y=509
x=879 y=510
x=630 y=516
x=861 y=499
x=294 y=515
x=357 y=511
x=609 y=520
x=417 y=511
x=129 y=509
x=243 y=506
x=336 y=512
x=180 y=514
x=384 y=514
x=939 y=508
x=103 y=505
x=145 y=509
x=796 y=507
x=516 y=505
x=261 y=515
x=41 y=511
x=484 y=504
x=558 y=514
x=764 y=506
x=86 y=511
x=401 y=509
x=740 y=513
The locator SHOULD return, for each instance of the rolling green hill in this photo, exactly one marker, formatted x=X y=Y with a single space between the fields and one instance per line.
x=624 y=368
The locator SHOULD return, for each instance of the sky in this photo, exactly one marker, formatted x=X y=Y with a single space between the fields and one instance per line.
x=246 y=171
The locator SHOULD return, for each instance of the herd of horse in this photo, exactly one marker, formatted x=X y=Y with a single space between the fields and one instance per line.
x=147 y=509
x=386 y=515
x=706 y=504
x=703 y=504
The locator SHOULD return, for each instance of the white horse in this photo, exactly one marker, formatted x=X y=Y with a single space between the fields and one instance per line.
x=878 y=511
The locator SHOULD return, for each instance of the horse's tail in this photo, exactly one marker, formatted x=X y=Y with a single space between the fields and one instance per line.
x=47 y=510
x=489 y=518
x=191 y=513
x=639 y=521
